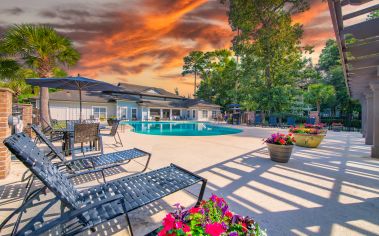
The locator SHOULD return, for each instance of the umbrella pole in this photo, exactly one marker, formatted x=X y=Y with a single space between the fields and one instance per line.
x=80 y=106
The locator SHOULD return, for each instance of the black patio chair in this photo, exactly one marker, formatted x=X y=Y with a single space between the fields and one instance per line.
x=311 y=120
x=100 y=162
x=86 y=133
x=258 y=120
x=113 y=133
x=53 y=134
x=291 y=122
x=273 y=121
x=95 y=205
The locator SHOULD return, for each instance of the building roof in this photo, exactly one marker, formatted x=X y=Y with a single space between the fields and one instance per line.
x=73 y=95
x=199 y=103
x=360 y=58
x=146 y=91
x=134 y=95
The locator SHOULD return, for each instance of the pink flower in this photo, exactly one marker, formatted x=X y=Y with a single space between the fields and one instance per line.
x=168 y=222
x=194 y=210
x=214 y=229
x=186 y=228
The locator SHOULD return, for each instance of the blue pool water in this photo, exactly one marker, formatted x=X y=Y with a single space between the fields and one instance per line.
x=181 y=128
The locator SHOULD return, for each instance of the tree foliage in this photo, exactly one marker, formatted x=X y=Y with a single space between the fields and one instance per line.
x=42 y=49
x=269 y=45
x=318 y=94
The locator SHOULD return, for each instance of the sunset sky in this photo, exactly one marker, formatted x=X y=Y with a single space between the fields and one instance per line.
x=144 y=41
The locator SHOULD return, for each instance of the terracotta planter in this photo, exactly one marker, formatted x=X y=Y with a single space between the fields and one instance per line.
x=280 y=153
x=308 y=140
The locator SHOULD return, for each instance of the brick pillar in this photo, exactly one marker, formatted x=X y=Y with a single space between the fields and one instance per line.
x=5 y=130
x=27 y=118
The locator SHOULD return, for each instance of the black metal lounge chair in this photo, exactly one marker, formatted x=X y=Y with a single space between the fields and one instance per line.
x=101 y=162
x=113 y=133
x=272 y=121
x=98 y=204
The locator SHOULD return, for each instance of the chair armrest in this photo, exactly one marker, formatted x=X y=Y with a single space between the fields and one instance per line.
x=68 y=216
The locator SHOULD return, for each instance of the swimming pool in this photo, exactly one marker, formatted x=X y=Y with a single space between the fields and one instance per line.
x=181 y=128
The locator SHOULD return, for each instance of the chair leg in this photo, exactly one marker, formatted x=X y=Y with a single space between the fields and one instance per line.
x=147 y=162
x=201 y=194
x=119 y=138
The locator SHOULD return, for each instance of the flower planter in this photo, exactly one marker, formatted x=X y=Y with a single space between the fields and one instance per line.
x=280 y=153
x=308 y=140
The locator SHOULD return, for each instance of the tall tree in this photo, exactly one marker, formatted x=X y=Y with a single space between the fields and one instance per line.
x=194 y=64
x=269 y=47
x=332 y=73
x=317 y=94
x=41 y=48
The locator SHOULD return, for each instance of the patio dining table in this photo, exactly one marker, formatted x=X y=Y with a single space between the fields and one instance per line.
x=68 y=133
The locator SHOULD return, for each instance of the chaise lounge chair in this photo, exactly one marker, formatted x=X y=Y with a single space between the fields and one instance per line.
x=100 y=162
x=95 y=205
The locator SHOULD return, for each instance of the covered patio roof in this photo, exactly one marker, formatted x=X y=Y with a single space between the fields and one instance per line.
x=358 y=42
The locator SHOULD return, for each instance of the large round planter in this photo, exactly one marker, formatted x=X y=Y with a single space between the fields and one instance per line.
x=308 y=140
x=280 y=153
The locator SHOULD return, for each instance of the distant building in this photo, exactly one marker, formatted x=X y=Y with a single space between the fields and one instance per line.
x=133 y=102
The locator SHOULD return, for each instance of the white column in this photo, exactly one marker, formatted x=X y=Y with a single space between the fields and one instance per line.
x=170 y=114
x=369 y=118
x=375 y=100
x=161 y=114
x=363 y=115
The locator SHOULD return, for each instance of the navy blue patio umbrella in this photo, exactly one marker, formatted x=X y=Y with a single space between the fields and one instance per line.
x=74 y=83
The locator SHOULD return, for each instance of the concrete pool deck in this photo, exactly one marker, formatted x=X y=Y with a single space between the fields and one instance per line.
x=331 y=190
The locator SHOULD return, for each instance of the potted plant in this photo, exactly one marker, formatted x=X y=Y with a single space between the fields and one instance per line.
x=280 y=147
x=308 y=136
x=210 y=218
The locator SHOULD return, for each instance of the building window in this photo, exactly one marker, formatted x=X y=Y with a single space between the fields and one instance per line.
x=194 y=114
x=99 y=113
x=205 y=113
x=155 y=112
x=214 y=114
x=134 y=113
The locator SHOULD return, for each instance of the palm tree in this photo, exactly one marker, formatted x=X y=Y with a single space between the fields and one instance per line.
x=41 y=48
x=193 y=64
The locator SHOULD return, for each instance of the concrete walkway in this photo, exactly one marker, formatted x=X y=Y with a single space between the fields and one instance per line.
x=331 y=190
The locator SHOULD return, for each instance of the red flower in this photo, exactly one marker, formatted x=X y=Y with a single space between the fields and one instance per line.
x=228 y=214
x=282 y=141
x=244 y=227
x=194 y=210
x=214 y=229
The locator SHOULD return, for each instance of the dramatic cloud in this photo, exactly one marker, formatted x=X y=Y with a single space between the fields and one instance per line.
x=144 y=41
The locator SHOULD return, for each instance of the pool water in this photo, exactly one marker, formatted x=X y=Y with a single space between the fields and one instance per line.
x=181 y=128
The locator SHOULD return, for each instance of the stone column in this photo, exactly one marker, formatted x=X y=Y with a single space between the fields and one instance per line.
x=369 y=118
x=27 y=118
x=364 y=115
x=375 y=127
x=5 y=130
